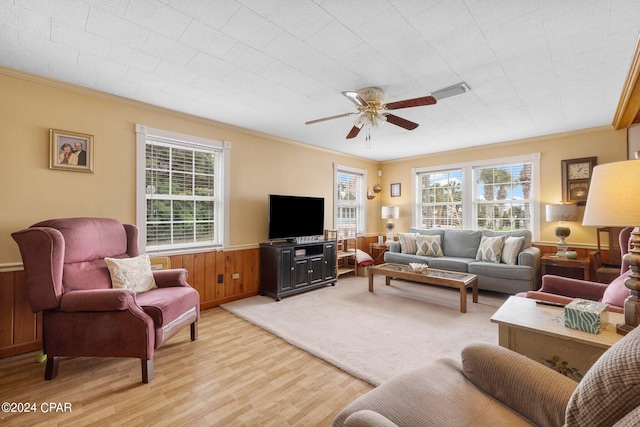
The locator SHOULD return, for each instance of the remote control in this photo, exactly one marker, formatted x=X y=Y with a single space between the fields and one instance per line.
x=555 y=304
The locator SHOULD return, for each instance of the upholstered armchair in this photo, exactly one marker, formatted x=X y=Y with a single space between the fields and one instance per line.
x=91 y=309
x=494 y=386
x=564 y=290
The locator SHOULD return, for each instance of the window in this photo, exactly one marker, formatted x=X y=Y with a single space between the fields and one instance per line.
x=497 y=194
x=181 y=191
x=349 y=200
x=440 y=199
x=503 y=196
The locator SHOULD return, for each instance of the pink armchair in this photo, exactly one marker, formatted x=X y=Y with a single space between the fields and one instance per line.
x=68 y=280
x=564 y=290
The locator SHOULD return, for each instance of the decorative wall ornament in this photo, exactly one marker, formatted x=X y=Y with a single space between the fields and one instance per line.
x=395 y=190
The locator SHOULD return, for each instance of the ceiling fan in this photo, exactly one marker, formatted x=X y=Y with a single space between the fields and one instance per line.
x=373 y=111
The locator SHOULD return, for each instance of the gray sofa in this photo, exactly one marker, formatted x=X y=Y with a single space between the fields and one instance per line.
x=460 y=252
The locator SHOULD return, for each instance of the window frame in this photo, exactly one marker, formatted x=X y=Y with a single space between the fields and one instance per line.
x=179 y=140
x=361 y=195
x=468 y=185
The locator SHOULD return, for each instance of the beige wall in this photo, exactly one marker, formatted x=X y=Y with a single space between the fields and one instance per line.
x=31 y=192
x=604 y=143
x=260 y=165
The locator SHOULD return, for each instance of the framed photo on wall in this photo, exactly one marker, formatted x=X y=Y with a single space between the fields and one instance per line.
x=70 y=151
x=395 y=190
x=576 y=178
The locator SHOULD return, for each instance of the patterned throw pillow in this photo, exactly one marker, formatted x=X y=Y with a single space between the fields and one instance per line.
x=429 y=246
x=131 y=273
x=490 y=249
x=511 y=249
x=408 y=243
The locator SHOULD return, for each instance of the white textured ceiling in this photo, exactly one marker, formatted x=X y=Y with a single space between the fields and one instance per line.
x=535 y=67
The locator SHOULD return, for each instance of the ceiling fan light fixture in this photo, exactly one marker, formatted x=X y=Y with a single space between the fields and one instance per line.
x=370 y=120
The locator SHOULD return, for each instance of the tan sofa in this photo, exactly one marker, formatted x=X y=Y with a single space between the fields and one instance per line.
x=494 y=386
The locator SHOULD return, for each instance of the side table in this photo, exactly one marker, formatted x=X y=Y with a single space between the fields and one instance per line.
x=377 y=250
x=548 y=260
x=538 y=332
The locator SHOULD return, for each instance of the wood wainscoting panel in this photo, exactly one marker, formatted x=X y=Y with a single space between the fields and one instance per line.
x=20 y=329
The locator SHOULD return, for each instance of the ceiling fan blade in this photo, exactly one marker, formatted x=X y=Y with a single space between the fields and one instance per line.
x=355 y=98
x=399 y=121
x=328 y=118
x=353 y=132
x=415 y=102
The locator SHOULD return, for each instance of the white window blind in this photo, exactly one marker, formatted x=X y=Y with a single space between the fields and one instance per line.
x=183 y=192
x=350 y=195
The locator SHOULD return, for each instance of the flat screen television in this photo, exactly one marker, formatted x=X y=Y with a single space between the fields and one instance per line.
x=295 y=216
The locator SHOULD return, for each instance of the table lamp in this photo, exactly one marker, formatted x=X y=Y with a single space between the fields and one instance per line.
x=390 y=213
x=612 y=202
x=561 y=213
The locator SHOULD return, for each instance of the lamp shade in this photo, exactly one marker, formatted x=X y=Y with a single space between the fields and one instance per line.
x=612 y=199
x=563 y=212
x=390 y=212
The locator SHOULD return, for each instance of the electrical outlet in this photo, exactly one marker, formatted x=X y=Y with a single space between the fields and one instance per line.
x=220 y=278
x=235 y=276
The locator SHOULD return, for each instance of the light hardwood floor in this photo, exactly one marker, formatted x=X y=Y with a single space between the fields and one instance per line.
x=235 y=374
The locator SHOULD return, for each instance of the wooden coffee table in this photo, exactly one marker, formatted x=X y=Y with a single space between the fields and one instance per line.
x=430 y=276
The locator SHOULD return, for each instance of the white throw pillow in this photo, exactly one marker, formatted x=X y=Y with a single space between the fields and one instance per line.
x=490 y=249
x=131 y=273
x=408 y=243
x=429 y=245
x=363 y=258
x=511 y=249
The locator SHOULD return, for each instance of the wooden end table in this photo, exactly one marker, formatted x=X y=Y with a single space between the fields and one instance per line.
x=549 y=260
x=377 y=250
x=538 y=332
x=431 y=276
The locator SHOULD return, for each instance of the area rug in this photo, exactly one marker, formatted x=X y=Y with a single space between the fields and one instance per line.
x=375 y=336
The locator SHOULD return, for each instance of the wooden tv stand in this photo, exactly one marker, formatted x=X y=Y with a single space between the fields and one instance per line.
x=290 y=268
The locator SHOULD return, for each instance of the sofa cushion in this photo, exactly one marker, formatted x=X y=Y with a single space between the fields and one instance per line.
x=617 y=292
x=490 y=249
x=513 y=233
x=511 y=249
x=501 y=271
x=399 y=258
x=86 y=275
x=88 y=239
x=522 y=384
x=408 y=243
x=451 y=263
x=461 y=243
x=164 y=305
x=369 y=418
x=429 y=232
x=611 y=387
x=429 y=245
x=131 y=273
